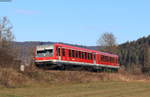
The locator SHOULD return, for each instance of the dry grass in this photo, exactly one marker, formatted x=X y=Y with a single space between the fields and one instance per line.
x=83 y=77
x=11 y=78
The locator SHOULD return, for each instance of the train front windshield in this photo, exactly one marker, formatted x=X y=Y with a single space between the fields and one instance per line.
x=44 y=51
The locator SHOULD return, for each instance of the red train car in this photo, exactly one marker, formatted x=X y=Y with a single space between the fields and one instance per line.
x=65 y=55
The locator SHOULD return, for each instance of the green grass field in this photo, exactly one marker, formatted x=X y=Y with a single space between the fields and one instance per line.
x=92 y=89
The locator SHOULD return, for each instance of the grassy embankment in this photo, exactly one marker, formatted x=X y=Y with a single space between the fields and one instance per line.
x=72 y=84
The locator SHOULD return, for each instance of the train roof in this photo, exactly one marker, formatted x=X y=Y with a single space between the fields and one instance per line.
x=84 y=49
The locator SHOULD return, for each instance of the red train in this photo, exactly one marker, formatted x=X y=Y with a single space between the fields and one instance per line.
x=60 y=55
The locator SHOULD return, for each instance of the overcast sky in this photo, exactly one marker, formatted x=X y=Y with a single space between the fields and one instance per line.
x=77 y=21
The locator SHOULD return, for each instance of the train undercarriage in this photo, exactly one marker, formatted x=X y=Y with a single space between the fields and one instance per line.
x=73 y=67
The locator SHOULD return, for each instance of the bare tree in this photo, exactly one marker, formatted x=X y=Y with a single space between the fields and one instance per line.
x=8 y=52
x=107 y=42
x=6 y=35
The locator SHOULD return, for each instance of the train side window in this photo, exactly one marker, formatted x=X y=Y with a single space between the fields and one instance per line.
x=69 y=53
x=102 y=58
x=76 y=54
x=86 y=56
x=58 y=51
x=63 y=52
x=91 y=56
x=80 y=54
x=107 y=59
x=115 y=60
x=94 y=56
x=73 y=55
x=111 y=59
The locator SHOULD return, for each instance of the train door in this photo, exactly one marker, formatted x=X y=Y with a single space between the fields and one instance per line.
x=94 y=58
x=59 y=53
x=63 y=54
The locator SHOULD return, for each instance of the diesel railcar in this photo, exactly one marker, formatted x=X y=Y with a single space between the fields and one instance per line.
x=61 y=55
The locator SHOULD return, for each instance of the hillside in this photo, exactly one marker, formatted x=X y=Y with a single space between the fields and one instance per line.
x=135 y=54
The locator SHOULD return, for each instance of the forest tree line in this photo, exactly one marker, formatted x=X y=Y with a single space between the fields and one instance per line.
x=135 y=54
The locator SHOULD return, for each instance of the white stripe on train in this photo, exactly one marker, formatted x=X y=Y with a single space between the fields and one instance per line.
x=77 y=63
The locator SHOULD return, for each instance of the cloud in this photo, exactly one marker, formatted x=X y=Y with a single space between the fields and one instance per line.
x=26 y=12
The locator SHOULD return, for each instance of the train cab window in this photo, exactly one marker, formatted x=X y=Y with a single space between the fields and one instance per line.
x=45 y=53
x=63 y=52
